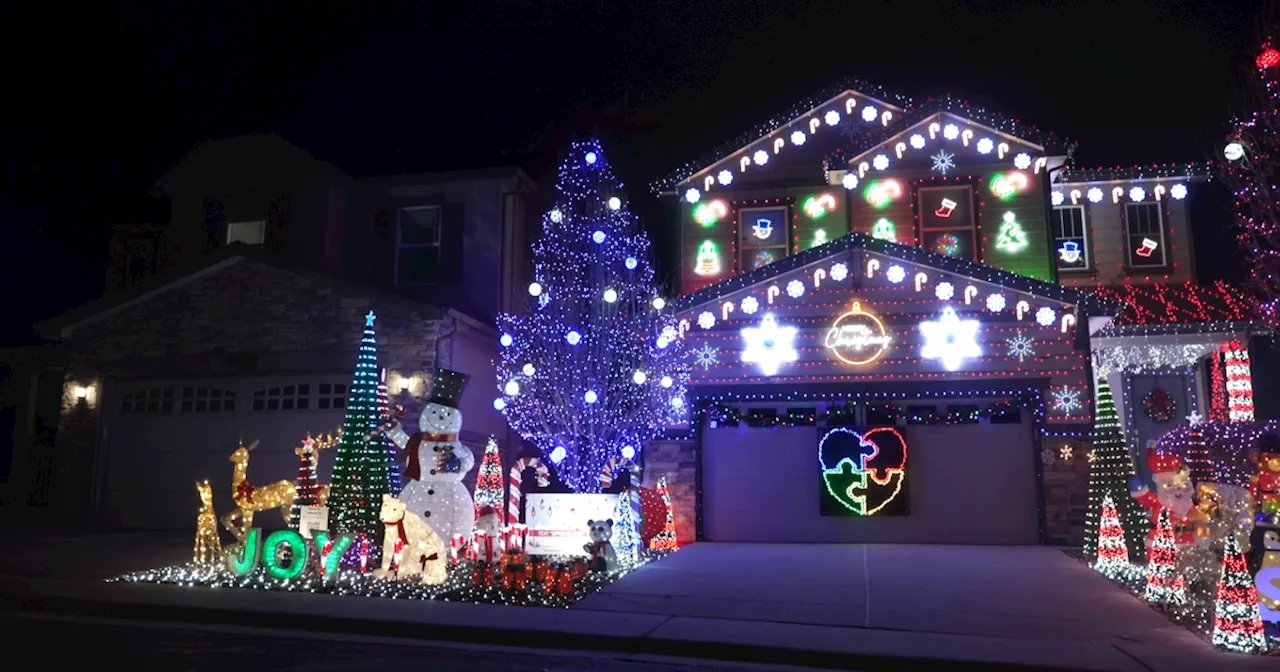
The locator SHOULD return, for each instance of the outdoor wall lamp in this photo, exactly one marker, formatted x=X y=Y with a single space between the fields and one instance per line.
x=407 y=384
x=85 y=394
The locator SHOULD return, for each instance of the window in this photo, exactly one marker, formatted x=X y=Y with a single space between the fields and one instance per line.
x=418 y=245
x=249 y=233
x=946 y=222
x=332 y=396
x=1070 y=238
x=154 y=400
x=762 y=236
x=1144 y=235
x=207 y=400
x=283 y=398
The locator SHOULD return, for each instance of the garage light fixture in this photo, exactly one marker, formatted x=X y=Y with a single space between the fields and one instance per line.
x=85 y=394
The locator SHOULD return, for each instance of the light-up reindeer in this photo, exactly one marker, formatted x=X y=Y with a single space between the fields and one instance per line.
x=250 y=499
x=208 y=549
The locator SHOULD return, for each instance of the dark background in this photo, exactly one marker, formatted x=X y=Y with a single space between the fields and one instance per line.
x=101 y=101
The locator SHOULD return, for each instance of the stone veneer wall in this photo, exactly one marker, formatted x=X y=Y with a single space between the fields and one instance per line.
x=1066 y=491
x=247 y=318
x=676 y=461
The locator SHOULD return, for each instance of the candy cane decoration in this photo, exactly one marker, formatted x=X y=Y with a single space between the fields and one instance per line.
x=517 y=473
x=612 y=466
x=1068 y=323
x=862 y=169
x=1023 y=307
x=900 y=148
x=744 y=162
x=970 y=293
x=814 y=125
x=395 y=557
x=873 y=265
x=1075 y=196
x=1116 y=194
x=818 y=276
x=921 y=278
x=1040 y=163
x=725 y=309
x=885 y=118
x=933 y=130
x=850 y=104
x=683 y=326
x=772 y=292
x=1159 y=191
x=708 y=182
x=364 y=554
x=1002 y=149
x=966 y=136
x=777 y=145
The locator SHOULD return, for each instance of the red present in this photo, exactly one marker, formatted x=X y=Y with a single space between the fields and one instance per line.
x=488 y=575
x=508 y=580
x=565 y=583
x=579 y=570
x=522 y=578
x=549 y=580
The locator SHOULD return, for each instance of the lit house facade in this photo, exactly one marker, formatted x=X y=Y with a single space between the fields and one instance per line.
x=894 y=311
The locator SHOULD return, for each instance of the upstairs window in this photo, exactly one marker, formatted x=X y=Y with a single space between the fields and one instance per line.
x=1070 y=238
x=762 y=236
x=1145 y=244
x=249 y=233
x=418 y=246
x=947 y=225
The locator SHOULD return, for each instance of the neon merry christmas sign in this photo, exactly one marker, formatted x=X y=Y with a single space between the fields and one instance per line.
x=857 y=337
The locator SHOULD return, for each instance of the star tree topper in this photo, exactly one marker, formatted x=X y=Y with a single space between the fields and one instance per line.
x=769 y=345
x=950 y=339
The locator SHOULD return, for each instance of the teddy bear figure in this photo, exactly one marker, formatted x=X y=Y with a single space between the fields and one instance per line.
x=600 y=550
x=1233 y=515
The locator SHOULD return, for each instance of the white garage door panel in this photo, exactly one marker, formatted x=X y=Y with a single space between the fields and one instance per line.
x=966 y=484
x=153 y=459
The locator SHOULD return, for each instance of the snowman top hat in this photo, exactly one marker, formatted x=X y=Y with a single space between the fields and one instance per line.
x=447 y=387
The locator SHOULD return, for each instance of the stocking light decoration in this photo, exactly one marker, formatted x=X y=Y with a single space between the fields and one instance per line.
x=1165 y=584
x=582 y=397
x=1236 y=623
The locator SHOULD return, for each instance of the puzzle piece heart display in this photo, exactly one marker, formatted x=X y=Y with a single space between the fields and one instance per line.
x=863 y=472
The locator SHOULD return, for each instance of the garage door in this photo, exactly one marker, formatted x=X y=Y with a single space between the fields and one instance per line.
x=163 y=436
x=965 y=484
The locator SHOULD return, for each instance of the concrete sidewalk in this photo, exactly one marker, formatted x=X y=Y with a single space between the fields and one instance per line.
x=845 y=606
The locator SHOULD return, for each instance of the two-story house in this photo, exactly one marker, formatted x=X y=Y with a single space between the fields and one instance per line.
x=242 y=315
x=892 y=315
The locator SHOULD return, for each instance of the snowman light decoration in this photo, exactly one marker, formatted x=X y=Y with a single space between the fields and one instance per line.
x=437 y=461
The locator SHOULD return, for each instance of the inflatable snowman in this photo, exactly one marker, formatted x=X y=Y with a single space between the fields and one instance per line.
x=436 y=461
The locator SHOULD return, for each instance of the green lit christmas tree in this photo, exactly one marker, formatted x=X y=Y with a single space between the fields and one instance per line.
x=1109 y=477
x=361 y=468
x=1011 y=237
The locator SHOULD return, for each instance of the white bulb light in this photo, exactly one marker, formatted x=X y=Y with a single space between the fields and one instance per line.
x=628 y=453
x=869 y=113
x=944 y=291
x=831 y=117
x=558 y=455
x=499 y=404
x=614 y=203
x=917 y=141
x=880 y=162
x=1178 y=191
x=639 y=377
x=591 y=158
x=573 y=338
x=706 y=320
x=677 y=402
x=528 y=369
x=557 y=216
x=850 y=181
x=1056 y=198
x=749 y=305
x=590 y=396
x=506 y=340
x=535 y=289
x=1045 y=316
x=1234 y=151
x=995 y=302
x=512 y=388
x=692 y=195
x=797 y=138
x=1137 y=194
x=896 y=274
x=1022 y=161
x=666 y=381
x=725 y=177
x=598 y=237
x=951 y=131
x=761 y=157
x=1094 y=195
x=795 y=289
x=985 y=145
x=839 y=271
x=659 y=303
x=610 y=295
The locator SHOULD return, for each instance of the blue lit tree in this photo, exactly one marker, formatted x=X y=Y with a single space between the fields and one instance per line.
x=591 y=368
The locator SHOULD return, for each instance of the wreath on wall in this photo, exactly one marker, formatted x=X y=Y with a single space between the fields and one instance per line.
x=1159 y=406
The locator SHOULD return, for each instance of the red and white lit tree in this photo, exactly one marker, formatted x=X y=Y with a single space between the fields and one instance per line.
x=1236 y=623
x=1164 y=583
x=1113 y=555
x=489 y=484
x=666 y=539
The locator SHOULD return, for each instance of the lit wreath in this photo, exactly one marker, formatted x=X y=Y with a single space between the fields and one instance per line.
x=1159 y=406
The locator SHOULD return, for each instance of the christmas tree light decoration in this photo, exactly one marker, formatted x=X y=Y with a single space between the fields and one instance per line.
x=386 y=416
x=626 y=532
x=1109 y=476
x=1198 y=462
x=361 y=469
x=580 y=344
x=1236 y=624
x=307 y=486
x=949 y=339
x=490 y=489
x=666 y=539
x=1113 y=556
x=1165 y=584
x=708 y=261
x=1011 y=238
x=769 y=345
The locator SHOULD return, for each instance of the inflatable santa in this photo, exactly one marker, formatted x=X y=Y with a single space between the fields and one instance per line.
x=1174 y=493
x=436 y=461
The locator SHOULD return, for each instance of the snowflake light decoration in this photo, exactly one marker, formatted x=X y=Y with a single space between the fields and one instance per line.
x=1065 y=453
x=1047 y=456
x=995 y=302
x=795 y=289
x=769 y=345
x=943 y=161
x=749 y=305
x=706 y=357
x=1045 y=316
x=896 y=274
x=1021 y=346
x=1066 y=399
x=949 y=339
x=839 y=272
x=706 y=320
x=944 y=291
x=1091 y=456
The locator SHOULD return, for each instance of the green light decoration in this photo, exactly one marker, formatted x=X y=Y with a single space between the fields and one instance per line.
x=277 y=566
x=883 y=229
x=820 y=238
x=708 y=261
x=817 y=207
x=1011 y=238
x=1109 y=474
x=330 y=560
x=707 y=214
x=243 y=559
x=882 y=192
x=1005 y=186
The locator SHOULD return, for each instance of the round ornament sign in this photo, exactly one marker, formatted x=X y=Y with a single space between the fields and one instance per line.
x=857 y=337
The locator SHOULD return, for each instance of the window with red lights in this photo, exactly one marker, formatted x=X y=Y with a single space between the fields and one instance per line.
x=947 y=222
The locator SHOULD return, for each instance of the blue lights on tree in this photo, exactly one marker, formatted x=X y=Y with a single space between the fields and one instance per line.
x=568 y=373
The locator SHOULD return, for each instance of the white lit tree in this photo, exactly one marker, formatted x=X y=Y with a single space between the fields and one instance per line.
x=591 y=368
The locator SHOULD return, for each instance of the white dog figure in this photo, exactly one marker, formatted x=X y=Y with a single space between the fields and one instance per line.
x=421 y=552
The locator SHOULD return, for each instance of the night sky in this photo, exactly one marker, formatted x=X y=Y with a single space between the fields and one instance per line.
x=100 y=102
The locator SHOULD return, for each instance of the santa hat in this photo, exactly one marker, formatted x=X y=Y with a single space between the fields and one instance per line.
x=1161 y=463
x=486 y=510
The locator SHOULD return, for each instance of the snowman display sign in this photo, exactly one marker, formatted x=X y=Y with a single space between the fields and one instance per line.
x=436 y=462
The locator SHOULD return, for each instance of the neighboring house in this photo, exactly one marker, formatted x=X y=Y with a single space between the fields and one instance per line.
x=241 y=317
x=821 y=258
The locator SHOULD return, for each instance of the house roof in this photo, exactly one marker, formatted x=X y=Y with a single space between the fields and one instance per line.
x=492 y=173
x=246 y=159
x=1187 y=303
x=62 y=326
x=1196 y=172
x=1087 y=301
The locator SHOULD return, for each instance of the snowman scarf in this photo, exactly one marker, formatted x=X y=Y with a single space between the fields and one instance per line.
x=413 y=471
